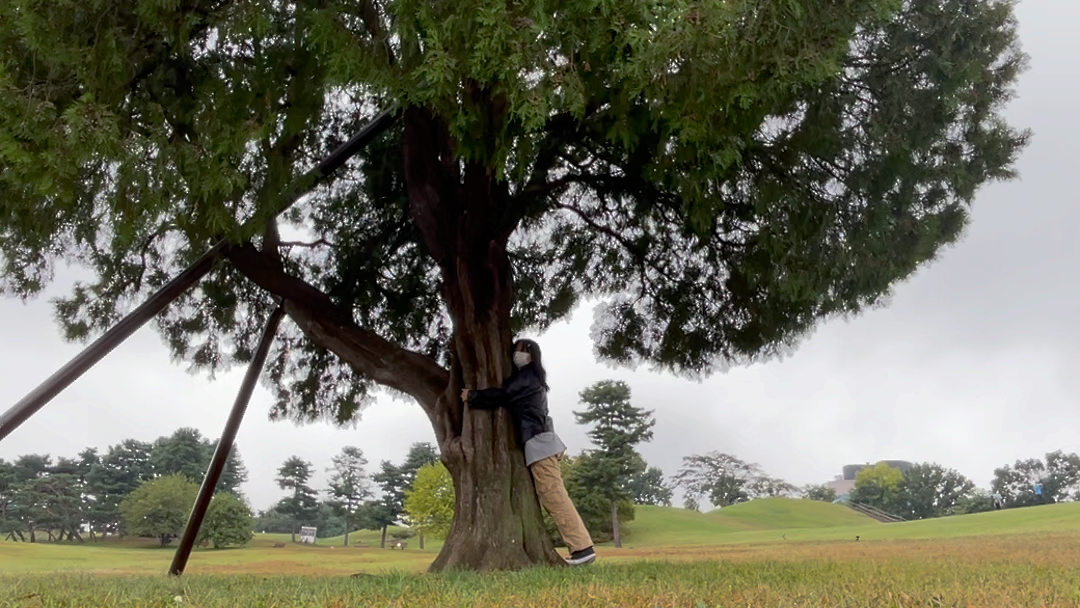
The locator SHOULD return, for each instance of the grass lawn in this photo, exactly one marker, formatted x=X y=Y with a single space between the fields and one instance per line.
x=1023 y=558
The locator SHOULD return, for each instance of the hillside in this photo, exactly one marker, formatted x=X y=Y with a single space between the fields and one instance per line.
x=659 y=526
x=751 y=523
x=781 y=513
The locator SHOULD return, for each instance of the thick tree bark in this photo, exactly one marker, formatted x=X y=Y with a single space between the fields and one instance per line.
x=616 y=537
x=462 y=213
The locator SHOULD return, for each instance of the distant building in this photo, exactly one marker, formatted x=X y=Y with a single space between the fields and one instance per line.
x=844 y=483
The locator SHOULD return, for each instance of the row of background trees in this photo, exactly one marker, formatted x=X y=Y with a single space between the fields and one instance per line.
x=354 y=499
x=146 y=489
x=609 y=479
x=68 y=497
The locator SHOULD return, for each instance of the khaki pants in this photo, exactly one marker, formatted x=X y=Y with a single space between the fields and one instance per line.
x=549 y=485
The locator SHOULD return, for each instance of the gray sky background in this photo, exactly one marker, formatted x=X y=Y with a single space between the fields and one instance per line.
x=972 y=365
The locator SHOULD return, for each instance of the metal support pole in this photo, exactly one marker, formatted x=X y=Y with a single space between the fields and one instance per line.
x=46 y=391
x=224 y=446
x=30 y=404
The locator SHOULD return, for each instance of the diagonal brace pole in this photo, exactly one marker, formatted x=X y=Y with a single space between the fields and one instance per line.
x=225 y=445
x=72 y=370
x=96 y=351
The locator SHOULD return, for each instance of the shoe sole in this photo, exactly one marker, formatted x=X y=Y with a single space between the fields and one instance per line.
x=581 y=561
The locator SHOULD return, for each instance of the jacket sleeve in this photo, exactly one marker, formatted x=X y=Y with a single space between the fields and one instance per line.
x=488 y=398
x=518 y=390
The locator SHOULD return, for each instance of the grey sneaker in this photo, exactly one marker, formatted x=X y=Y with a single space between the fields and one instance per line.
x=582 y=557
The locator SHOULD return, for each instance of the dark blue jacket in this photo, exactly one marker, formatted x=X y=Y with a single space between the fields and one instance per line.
x=524 y=396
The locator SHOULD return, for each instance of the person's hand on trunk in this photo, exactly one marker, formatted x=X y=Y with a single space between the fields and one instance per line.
x=465 y=394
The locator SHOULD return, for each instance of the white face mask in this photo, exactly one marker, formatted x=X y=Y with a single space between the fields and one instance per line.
x=522 y=358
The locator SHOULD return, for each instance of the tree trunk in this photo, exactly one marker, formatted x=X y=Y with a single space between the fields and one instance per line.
x=463 y=214
x=382 y=543
x=421 y=539
x=464 y=217
x=616 y=537
x=346 y=534
x=497 y=520
x=293 y=536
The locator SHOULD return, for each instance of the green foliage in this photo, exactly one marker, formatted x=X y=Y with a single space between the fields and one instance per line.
x=51 y=502
x=618 y=425
x=182 y=453
x=429 y=503
x=722 y=175
x=976 y=502
x=274 y=521
x=186 y=452
x=877 y=486
x=1059 y=475
x=349 y=484
x=159 y=508
x=725 y=480
x=648 y=487
x=302 y=504
x=603 y=477
x=820 y=492
x=118 y=473
x=931 y=490
x=617 y=428
x=229 y=521
x=394 y=482
x=581 y=475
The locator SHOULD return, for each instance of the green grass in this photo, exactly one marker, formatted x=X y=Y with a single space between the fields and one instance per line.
x=658 y=526
x=785 y=513
x=951 y=572
x=372 y=538
x=736 y=557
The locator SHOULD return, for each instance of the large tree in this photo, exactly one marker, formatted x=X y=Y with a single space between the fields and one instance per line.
x=159 y=508
x=931 y=490
x=648 y=487
x=878 y=486
x=117 y=474
x=186 y=452
x=1059 y=475
x=394 y=482
x=349 y=485
x=820 y=492
x=182 y=453
x=429 y=501
x=302 y=502
x=721 y=175
x=723 y=479
x=617 y=427
x=229 y=521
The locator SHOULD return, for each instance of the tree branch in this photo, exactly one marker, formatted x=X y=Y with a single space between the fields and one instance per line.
x=333 y=328
x=375 y=30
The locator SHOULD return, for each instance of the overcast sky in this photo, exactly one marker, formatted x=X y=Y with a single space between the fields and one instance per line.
x=972 y=365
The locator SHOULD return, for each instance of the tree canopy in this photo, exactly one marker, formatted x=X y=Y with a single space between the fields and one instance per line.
x=722 y=174
x=159 y=508
x=616 y=428
x=429 y=502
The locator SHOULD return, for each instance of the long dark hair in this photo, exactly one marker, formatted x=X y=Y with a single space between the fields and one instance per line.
x=537 y=364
